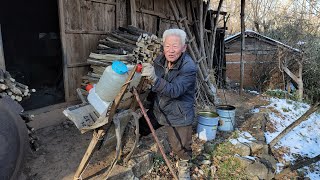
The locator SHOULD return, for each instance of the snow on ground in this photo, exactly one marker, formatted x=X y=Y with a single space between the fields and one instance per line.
x=303 y=139
x=244 y=137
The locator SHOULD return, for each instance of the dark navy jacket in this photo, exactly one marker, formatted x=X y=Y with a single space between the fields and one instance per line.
x=174 y=102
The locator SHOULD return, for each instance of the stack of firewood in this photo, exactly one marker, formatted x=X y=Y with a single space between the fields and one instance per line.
x=9 y=86
x=33 y=139
x=148 y=48
x=130 y=45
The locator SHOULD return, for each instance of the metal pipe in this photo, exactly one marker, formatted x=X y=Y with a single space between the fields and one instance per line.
x=154 y=133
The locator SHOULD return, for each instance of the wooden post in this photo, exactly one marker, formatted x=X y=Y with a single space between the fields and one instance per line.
x=300 y=81
x=2 y=62
x=214 y=32
x=117 y=13
x=242 y=45
x=133 y=13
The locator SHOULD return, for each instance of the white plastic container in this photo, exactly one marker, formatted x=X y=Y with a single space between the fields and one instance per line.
x=136 y=78
x=99 y=105
x=111 y=81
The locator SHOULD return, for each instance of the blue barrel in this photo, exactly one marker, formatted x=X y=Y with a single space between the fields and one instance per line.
x=207 y=125
x=227 y=117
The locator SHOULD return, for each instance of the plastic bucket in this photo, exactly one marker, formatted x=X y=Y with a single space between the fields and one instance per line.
x=207 y=125
x=227 y=117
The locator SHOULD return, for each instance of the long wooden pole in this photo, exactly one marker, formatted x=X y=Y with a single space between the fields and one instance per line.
x=154 y=134
x=242 y=45
x=2 y=62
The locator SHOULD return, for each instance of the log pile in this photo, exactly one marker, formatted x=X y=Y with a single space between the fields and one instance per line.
x=33 y=139
x=130 y=45
x=9 y=86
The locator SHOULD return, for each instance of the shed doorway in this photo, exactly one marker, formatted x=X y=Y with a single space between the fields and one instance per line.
x=32 y=49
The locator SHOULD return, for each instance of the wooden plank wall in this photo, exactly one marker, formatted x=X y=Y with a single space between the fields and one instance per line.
x=82 y=24
x=156 y=15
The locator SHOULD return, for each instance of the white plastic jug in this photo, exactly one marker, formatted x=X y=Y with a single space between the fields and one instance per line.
x=99 y=105
x=136 y=77
x=111 y=81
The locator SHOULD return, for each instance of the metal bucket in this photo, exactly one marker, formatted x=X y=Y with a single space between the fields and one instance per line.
x=207 y=125
x=227 y=117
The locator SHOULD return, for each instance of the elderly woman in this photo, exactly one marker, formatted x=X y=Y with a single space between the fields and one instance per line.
x=173 y=78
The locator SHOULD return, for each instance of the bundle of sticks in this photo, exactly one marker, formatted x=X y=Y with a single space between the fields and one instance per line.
x=130 y=45
x=9 y=86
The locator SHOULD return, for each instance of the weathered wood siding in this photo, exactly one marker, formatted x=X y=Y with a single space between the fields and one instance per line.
x=251 y=45
x=261 y=63
x=82 y=24
x=156 y=15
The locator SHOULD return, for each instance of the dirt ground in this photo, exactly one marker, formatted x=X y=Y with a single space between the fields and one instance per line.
x=62 y=145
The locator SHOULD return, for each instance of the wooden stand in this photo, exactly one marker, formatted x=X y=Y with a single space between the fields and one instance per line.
x=100 y=132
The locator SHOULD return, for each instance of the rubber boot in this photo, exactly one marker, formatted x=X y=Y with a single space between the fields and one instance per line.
x=184 y=170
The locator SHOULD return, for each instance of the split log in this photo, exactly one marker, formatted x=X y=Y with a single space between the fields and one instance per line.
x=90 y=78
x=102 y=47
x=134 y=30
x=122 y=38
x=304 y=117
x=126 y=47
x=112 y=51
x=8 y=92
x=98 y=69
x=21 y=85
x=1 y=76
x=91 y=74
x=98 y=62
x=297 y=165
x=111 y=57
x=126 y=35
x=3 y=87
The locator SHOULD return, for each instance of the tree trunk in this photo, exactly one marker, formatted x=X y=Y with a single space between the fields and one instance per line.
x=304 y=117
x=242 y=45
x=298 y=165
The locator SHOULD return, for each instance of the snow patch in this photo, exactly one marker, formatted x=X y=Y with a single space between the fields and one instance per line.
x=303 y=139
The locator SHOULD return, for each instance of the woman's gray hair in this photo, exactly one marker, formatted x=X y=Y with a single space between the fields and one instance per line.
x=176 y=32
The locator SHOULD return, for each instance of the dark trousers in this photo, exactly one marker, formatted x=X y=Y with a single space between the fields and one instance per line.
x=180 y=139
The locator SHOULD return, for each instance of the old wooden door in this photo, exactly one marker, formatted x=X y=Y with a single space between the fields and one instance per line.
x=82 y=24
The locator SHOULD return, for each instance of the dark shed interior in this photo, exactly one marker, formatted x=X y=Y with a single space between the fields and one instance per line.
x=32 y=48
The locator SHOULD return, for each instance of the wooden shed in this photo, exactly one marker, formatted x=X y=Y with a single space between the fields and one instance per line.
x=261 y=60
x=46 y=43
x=84 y=22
